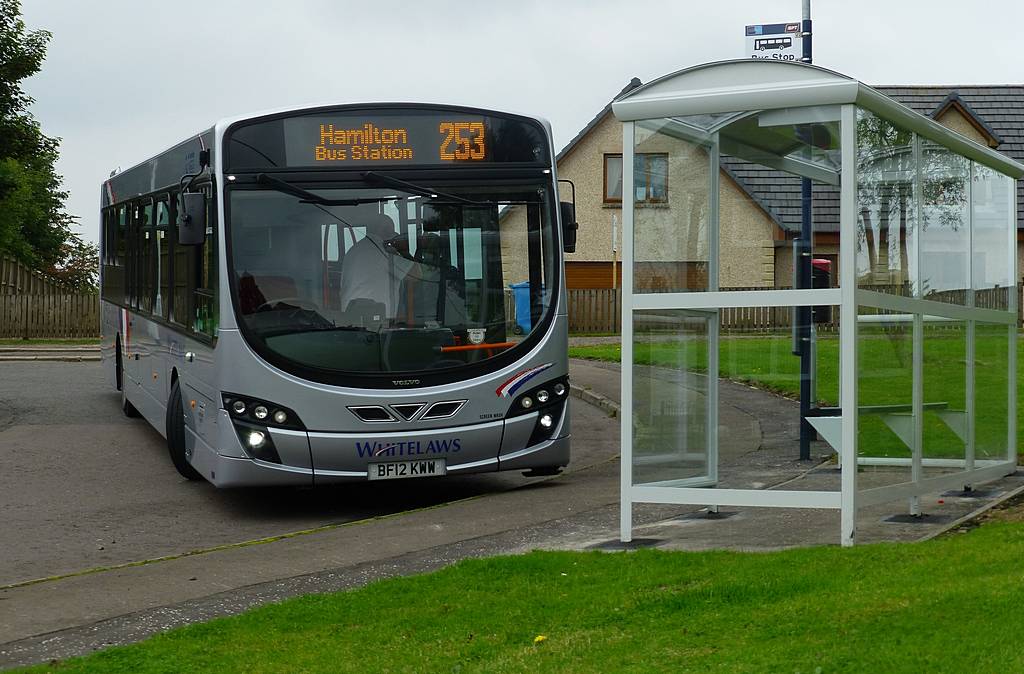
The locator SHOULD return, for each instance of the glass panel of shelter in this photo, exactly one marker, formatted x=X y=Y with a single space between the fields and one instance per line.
x=887 y=195
x=711 y=229
x=992 y=202
x=930 y=223
x=762 y=157
x=670 y=234
x=673 y=408
x=908 y=190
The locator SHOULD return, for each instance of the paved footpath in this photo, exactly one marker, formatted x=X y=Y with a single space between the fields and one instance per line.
x=577 y=510
x=70 y=353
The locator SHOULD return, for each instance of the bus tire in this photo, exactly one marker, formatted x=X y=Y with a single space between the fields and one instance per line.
x=176 y=435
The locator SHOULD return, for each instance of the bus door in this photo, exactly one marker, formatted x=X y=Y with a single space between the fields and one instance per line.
x=480 y=251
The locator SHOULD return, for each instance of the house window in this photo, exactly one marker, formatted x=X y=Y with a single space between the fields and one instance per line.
x=613 y=177
x=650 y=178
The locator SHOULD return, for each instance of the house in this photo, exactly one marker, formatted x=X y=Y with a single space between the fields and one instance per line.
x=760 y=207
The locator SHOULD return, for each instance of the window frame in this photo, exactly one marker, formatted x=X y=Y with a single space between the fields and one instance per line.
x=648 y=190
x=604 y=194
x=643 y=174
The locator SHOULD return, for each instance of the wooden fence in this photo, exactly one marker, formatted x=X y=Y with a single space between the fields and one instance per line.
x=17 y=279
x=35 y=306
x=594 y=310
x=56 y=315
x=69 y=316
x=600 y=310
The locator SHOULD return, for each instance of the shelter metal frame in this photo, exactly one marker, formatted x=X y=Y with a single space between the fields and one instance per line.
x=806 y=93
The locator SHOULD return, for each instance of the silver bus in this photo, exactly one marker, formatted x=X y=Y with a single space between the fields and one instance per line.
x=342 y=293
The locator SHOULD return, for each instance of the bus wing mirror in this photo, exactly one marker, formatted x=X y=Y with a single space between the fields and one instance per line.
x=569 y=226
x=192 y=223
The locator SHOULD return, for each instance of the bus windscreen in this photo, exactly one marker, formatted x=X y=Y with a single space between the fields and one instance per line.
x=353 y=138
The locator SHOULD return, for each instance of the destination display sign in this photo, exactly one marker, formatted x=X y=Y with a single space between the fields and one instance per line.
x=378 y=138
x=344 y=138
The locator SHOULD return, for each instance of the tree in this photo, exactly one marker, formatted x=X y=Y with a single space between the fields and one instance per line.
x=33 y=225
x=78 y=268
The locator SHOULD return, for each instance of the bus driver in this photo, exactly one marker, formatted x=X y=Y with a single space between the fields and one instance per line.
x=372 y=271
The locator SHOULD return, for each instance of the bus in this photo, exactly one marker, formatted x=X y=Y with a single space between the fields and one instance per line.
x=773 y=43
x=343 y=293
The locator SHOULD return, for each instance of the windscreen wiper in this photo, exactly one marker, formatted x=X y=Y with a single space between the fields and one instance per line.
x=281 y=332
x=381 y=179
x=307 y=197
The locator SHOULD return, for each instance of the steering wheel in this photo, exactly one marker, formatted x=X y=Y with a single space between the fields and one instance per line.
x=303 y=304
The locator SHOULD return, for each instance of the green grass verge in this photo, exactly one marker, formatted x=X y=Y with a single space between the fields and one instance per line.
x=885 y=361
x=948 y=605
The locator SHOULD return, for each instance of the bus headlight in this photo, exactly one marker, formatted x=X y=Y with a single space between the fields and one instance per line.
x=547 y=423
x=257 y=442
x=261 y=413
x=541 y=398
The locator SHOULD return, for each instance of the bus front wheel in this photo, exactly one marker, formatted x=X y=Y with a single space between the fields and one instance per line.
x=176 y=435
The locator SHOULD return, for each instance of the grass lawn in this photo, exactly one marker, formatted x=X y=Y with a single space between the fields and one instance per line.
x=948 y=605
x=885 y=362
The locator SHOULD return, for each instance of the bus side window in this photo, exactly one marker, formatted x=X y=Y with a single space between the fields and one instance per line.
x=353 y=234
x=163 y=258
x=132 y=255
x=204 y=320
x=121 y=251
x=329 y=235
x=147 y=263
x=107 y=253
x=181 y=272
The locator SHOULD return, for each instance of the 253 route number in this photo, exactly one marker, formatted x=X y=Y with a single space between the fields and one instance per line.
x=463 y=141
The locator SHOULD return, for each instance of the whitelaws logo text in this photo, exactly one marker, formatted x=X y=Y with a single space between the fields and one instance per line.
x=408 y=447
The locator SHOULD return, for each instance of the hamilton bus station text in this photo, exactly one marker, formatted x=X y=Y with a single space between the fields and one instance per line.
x=369 y=143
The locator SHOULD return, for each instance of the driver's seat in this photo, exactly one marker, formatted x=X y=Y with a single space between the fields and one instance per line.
x=276 y=287
x=255 y=291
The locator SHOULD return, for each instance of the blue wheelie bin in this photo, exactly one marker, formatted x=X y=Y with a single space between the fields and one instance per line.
x=521 y=294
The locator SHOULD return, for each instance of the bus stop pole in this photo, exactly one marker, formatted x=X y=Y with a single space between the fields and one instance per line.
x=804 y=276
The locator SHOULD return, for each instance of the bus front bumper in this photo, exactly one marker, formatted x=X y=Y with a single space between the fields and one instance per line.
x=301 y=451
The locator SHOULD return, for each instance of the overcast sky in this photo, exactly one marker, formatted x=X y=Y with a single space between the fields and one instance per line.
x=126 y=78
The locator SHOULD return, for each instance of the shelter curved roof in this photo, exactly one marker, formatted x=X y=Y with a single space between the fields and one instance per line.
x=764 y=84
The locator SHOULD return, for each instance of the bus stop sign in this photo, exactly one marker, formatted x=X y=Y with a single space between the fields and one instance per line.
x=779 y=41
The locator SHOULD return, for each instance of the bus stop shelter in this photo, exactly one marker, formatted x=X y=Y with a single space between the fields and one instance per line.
x=912 y=333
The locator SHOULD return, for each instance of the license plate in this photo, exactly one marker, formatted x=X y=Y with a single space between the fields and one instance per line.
x=396 y=470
